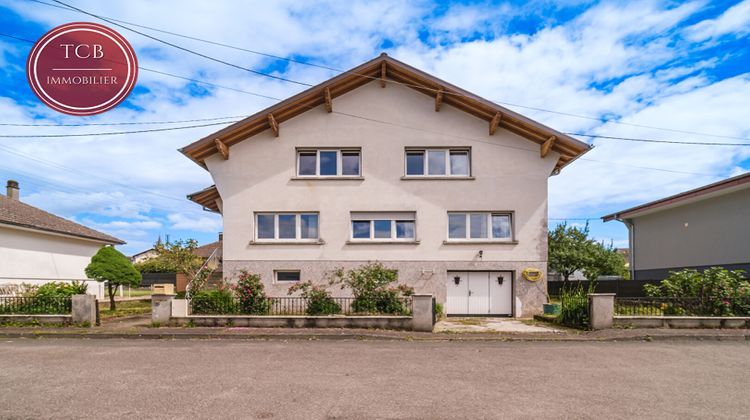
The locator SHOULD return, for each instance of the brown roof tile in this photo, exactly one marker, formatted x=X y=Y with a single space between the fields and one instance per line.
x=206 y=250
x=17 y=213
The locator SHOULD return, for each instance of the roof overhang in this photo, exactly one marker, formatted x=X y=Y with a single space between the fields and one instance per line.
x=725 y=186
x=385 y=69
x=207 y=198
x=36 y=229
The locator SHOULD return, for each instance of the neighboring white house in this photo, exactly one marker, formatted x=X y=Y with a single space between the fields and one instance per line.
x=385 y=162
x=37 y=247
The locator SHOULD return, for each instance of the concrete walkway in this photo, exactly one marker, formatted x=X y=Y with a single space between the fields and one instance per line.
x=492 y=325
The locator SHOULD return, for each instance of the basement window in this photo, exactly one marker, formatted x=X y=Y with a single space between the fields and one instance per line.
x=287 y=275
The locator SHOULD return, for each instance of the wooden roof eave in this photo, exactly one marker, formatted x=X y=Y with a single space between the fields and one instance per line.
x=568 y=147
x=206 y=198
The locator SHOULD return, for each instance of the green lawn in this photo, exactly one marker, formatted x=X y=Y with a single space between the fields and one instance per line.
x=125 y=309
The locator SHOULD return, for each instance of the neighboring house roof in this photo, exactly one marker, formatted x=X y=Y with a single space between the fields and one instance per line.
x=16 y=213
x=385 y=69
x=206 y=250
x=207 y=198
x=703 y=192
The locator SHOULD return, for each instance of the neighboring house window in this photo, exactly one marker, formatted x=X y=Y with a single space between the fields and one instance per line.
x=383 y=226
x=328 y=162
x=479 y=226
x=286 y=226
x=438 y=162
x=287 y=275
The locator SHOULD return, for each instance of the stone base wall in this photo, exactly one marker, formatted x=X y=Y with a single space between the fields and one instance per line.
x=681 y=322
x=427 y=277
x=41 y=319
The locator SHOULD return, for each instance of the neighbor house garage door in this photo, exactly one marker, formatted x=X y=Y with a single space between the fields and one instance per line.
x=480 y=293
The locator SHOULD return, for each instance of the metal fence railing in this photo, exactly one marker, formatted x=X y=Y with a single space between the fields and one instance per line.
x=684 y=306
x=224 y=305
x=36 y=305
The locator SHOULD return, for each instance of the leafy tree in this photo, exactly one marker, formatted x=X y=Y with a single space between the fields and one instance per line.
x=111 y=266
x=605 y=260
x=571 y=249
x=180 y=257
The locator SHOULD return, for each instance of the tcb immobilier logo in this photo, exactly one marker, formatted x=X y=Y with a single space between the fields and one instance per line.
x=82 y=68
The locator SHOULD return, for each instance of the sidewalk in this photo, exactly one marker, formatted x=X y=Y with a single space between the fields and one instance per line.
x=238 y=333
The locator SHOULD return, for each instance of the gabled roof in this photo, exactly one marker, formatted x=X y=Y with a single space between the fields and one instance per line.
x=386 y=69
x=205 y=251
x=677 y=199
x=207 y=198
x=15 y=213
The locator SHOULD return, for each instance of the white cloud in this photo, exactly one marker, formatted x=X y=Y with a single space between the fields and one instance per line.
x=735 y=20
x=617 y=59
x=206 y=223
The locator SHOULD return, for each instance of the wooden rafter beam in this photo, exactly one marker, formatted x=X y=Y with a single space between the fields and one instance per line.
x=382 y=73
x=273 y=124
x=438 y=99
x=495 y=123
x=222 y=148
x=329 y=101
x=547 y=146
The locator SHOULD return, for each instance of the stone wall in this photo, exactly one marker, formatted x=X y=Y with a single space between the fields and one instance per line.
x=427 y=277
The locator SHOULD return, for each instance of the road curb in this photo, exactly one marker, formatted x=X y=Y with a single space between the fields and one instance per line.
x=361 y=337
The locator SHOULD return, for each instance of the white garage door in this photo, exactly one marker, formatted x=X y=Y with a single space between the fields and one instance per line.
x=480 y=293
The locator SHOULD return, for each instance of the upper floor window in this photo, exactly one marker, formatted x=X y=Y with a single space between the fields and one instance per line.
x=286 y=227
x=328 y=162
x=438 y=162
x=479 y=226
x=383 y=226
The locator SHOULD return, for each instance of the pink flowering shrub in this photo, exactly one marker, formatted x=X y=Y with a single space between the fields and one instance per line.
x=251 y=294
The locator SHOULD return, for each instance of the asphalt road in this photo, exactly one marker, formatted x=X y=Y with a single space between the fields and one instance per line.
x=63 y=378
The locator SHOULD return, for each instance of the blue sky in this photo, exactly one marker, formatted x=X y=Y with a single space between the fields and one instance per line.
x=682 y=67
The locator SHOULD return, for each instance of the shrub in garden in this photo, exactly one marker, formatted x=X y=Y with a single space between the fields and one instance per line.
x=372 y=288
x=574 y=308
x=319 y=300
x=60 y=289
x=715 y=291
x=214 y=302
x=251 y=294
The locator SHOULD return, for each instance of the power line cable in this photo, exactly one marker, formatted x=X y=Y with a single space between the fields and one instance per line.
x=122 y=123
x=598 y=119
x=278 y=99
x=442 y=133
x=111 y=133
x=188 y=50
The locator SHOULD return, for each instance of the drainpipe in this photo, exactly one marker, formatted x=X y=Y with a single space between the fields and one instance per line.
x=631 y=242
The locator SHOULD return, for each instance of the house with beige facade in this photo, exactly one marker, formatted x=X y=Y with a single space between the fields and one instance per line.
x=388 y=163
x=700 y=228
x=37 y=247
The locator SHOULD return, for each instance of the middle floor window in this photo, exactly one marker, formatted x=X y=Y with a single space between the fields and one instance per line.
x=480 y=226
x=286 y=226
x=383 y=226
x=328 y=162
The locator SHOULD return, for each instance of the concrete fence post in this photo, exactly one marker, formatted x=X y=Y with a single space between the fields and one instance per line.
x=84 y=309
x=422 y=318
x=179 y=308
x=161 y=308
x=601 y=310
